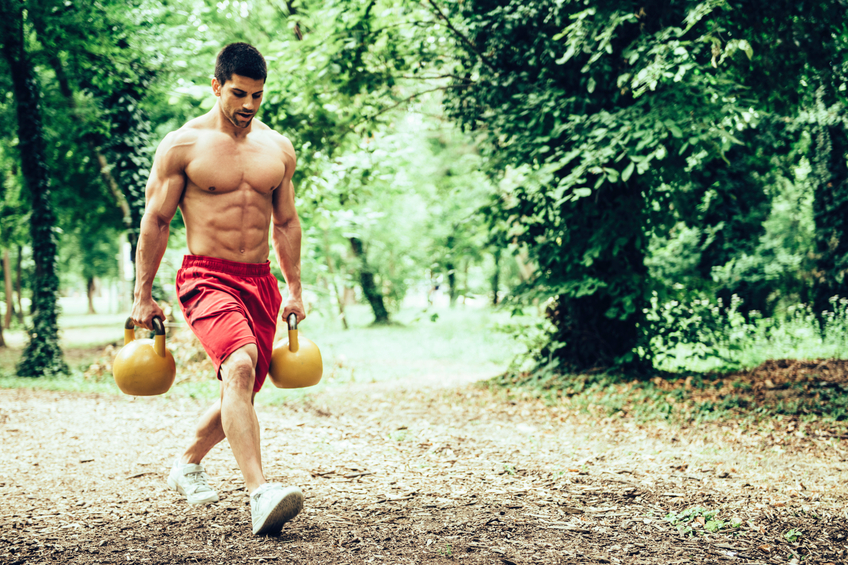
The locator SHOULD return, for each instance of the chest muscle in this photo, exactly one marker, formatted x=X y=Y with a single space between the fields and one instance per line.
x=228 y=166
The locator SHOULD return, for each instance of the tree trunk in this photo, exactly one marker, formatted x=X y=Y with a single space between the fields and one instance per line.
x=369 y=288
x=19 y=267
x=90 y=288
x=830 y=211
x=595 y=330
x=496 y=276
x=10 y=297
x=42 y=355
x=525 y=269
x=332 y=280
x=451 y=283
x=450 y=267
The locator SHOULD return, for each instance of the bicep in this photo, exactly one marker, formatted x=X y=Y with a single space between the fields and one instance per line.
x=283 y=199
x=165 y=185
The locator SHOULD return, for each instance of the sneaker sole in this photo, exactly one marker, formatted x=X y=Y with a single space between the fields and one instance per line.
x=287 y=508
x=213 y=496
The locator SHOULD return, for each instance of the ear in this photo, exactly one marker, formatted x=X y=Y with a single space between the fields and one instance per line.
x=216 y=87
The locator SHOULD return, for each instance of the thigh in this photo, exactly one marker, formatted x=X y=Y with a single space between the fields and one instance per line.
x=264 y=307
x=217 y=317
x=239 y=368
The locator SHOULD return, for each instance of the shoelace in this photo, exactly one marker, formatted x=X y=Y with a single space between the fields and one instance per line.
x=198 y=479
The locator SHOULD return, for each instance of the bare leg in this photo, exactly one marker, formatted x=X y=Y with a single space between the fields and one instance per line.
x=238 y=418
x=209 y=433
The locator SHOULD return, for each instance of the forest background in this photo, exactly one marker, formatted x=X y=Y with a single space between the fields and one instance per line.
x=653 y=188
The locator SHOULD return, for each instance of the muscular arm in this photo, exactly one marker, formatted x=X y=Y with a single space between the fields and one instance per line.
x=286 y=235
x=162 y=195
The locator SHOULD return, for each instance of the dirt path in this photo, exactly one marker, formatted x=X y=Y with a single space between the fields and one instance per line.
x=394 y=475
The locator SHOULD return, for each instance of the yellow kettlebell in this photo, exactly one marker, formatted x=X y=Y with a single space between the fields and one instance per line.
x=295 y=362
x=144 y=367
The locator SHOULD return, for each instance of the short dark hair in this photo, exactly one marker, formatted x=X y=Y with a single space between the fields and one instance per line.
x=240 y=59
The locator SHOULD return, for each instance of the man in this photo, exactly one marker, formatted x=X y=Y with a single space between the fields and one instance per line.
x=231 y=176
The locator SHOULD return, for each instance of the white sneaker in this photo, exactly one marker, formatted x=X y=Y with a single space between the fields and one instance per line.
x=271 y=506
x=191 y=481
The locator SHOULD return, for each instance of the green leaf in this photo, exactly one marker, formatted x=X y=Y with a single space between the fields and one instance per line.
x=628 y=170
x=746 y=47
x=714 y=525
x=590 y=86
x=792 y=536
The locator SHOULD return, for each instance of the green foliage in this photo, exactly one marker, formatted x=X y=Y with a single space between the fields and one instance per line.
x=595 y=103
x=42 y=355
x=792 y=535
x=618 y=125
x=355 y=86
x=686 y=523
x=703 y=335
x=640 y=161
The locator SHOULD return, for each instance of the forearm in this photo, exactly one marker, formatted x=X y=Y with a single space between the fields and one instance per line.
x=152 y=242
x=287 y=238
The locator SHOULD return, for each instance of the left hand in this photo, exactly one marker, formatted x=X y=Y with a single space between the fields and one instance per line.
x=294 y=305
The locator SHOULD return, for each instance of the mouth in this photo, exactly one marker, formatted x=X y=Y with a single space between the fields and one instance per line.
x=244 y=116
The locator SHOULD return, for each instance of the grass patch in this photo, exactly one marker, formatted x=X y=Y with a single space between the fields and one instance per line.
x=809 y=390
x=722 y=365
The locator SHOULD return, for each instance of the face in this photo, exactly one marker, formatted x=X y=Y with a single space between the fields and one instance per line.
x=240 y=98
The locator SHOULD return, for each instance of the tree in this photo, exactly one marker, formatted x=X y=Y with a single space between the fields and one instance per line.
x=612 y=116
x=42 y=356
x=586 y=100
x=98 y=55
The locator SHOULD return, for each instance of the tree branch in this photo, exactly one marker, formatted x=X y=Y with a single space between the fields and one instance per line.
x=405 y=100
x=435 y=77
x=462 y=37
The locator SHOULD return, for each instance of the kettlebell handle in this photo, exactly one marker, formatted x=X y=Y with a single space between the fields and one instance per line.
x=158 y=326
x=292 y=322
x=158 y=339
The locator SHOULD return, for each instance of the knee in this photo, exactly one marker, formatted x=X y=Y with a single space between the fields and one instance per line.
x=239 y=369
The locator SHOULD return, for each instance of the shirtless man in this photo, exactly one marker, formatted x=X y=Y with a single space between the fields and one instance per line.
x=231 y=176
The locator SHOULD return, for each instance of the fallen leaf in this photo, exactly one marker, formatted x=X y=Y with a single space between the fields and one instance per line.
x=764 y=548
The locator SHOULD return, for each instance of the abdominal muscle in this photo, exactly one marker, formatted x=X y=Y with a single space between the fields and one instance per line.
x=228 y=225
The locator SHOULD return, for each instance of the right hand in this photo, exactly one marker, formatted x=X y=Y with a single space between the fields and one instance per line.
x=143 y=312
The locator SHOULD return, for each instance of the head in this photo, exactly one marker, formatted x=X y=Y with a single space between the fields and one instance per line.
x=240 y=72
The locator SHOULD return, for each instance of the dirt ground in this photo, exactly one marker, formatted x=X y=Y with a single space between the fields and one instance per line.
x=417 y=473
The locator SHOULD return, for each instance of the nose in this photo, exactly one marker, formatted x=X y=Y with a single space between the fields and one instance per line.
x=249 y=104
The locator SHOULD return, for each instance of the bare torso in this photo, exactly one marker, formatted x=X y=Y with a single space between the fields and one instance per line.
x=229 y=186
x=231 y=175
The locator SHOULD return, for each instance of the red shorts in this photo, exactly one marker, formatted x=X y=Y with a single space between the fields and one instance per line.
x=229 y=305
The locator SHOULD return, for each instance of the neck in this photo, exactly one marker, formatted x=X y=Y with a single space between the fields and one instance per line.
x=225 y=125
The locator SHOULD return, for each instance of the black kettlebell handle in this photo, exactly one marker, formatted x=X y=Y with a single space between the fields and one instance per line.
x=158 y=326
x=292 y=321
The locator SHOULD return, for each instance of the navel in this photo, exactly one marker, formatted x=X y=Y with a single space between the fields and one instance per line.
x=211 y=189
